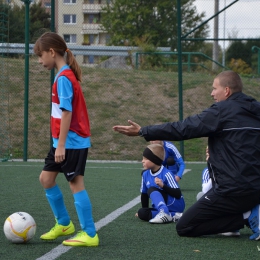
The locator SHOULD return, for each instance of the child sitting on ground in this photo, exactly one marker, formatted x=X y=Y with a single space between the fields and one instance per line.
x=158 y=184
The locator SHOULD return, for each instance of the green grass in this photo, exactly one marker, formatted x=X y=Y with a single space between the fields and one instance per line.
x=113 y=96
x=110 y=186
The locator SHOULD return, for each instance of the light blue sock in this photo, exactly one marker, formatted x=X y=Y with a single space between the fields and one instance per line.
x=55 y=198
x=84 y=211
x=158 y=201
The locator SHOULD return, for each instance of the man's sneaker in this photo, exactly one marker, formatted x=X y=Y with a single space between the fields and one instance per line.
x=231 y=234
x=82 y=239
x=161 y=218
x=59 y=230
x=177 y=216
x=254 y=223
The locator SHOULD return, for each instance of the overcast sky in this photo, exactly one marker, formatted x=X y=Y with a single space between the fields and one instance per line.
x=240 y=20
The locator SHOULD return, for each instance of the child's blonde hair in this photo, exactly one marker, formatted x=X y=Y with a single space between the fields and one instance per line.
x=157 y=142
x=157 y=150
x=51 y=40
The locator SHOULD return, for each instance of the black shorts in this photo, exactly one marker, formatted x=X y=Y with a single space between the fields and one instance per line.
x=73 y=165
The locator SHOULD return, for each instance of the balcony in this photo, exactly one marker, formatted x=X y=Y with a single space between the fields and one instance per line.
x=91 y=28
x=92 y=8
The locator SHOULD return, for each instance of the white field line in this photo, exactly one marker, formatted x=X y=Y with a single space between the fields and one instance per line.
x=61 y=249
x=186 y=170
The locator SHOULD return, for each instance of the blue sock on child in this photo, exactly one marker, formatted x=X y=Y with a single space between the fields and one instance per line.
x=158 y=201
x=56 y=202
x=84 y=211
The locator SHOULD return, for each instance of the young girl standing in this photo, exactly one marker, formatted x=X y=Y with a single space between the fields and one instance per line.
x=71 y=140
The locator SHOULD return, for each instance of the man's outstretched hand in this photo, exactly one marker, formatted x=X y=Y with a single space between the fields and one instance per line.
x=131 y=130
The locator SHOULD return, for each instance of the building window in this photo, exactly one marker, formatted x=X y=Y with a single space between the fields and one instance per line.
x=91 y=59
x=47 y=5
x=91 y=38
x=107 y=38
x=70 y=38
x=69 y=18
x=69 y=1
x=91 y=18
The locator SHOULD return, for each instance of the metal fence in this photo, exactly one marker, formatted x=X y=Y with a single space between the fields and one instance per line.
x=119 y=84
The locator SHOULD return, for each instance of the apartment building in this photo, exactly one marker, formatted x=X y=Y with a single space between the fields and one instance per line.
x=78 y=21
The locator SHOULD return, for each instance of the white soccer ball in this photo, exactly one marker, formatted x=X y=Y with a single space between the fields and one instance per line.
x=19 y=227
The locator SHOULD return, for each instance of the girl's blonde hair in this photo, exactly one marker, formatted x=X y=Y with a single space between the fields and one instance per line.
x=51 y=40
x=157 y=150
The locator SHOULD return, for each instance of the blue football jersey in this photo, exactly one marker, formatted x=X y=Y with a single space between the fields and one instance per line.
x=171 y=151
x=205 y=175
x=173 y=204
x=164 y=174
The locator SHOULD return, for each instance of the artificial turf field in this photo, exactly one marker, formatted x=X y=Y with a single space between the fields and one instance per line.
x=113 y=188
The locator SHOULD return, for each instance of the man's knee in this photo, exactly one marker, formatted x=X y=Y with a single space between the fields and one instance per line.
x=182 y=229
x=179 y=229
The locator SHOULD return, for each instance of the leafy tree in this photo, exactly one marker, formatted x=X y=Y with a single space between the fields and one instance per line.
x=237 y=50
x=4 y=9
x=129 y=20
x=242 y=50
x=253 y=55
x=16 y=25
x=240 y=66
x=39 y=19
x=10 y=31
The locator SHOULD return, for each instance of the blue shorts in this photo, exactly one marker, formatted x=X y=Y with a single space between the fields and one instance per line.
x=73 y=165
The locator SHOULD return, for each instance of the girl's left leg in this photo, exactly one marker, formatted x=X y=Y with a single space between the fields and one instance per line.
x=88 y=237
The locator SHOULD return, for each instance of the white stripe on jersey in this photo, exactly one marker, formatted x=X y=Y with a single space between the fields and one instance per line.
x=142 y=180
x=172 y=147
x=55 y=110
x=171 y=180
x=205 y=176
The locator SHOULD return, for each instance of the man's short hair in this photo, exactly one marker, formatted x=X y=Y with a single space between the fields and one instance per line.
x=230 y=79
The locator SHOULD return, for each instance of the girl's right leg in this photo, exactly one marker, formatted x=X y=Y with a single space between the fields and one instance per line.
x=55 y=198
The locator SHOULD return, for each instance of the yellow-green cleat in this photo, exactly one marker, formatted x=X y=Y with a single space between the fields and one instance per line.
x=59 y=230
x=82 y=239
